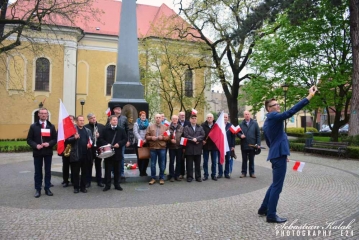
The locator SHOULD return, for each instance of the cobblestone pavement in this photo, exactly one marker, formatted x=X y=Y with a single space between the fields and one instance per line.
x=323 y=196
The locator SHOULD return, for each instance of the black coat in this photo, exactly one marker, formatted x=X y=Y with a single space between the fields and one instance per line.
x=34 y=138
x=193 y=148
x=210 y=146
x=252 y=133
x=74 y=153
x=100 y=129
x=120 y=138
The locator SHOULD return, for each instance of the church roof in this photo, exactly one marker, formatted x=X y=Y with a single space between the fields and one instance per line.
x=148 y=17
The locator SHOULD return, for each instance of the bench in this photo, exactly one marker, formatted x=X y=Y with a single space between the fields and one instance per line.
x=331 y=147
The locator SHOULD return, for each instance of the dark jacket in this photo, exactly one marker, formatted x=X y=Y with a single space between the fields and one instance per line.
x=273 y=129
x=209 y=146
x=231 y=138
x=74 y=153
x=100 y=129
x=122 y=122
x=178 y=134
x=252 y=133
x=108 y=137
x=186 y=123
x=193 y=148
x=34 y=138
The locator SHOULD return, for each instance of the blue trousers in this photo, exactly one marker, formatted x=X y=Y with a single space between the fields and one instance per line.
x=38 y=162
x=214 y=159
x=160 y=154
x=270 y=202
x=226 y=165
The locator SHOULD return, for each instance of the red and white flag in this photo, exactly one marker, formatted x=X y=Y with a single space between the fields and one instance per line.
x=183 y=141
x=167 y=133
x=194 y=111
x=45 y=132
x=166 y=123
x=219 y=137
x=298 y=166
x=234 y=129
x=108 y=112
x=89 y=142
x=140 y=143
x=66 y=128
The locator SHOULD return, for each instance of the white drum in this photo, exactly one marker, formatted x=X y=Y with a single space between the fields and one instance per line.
x=105 y=151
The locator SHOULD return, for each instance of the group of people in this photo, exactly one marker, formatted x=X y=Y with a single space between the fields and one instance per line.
x=81 y=153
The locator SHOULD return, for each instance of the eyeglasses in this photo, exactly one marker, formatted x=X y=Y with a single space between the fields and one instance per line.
x=277 y=104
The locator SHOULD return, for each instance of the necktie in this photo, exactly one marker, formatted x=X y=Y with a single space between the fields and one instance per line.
x=43 y=125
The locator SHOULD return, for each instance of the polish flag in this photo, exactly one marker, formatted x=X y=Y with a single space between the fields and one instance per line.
x=183 y=141
x=108 y=112
x=66 y=128
x=140 y=143
x=89 y=142
x=174 y=134
x=194 y=111
x=45 y=132
x=234 y=129
x=167 y=133
x=166 y=123
x=298 y=166
x=219 y=137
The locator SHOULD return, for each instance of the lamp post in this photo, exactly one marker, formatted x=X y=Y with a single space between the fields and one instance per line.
x=82 y=106
x=285 y=90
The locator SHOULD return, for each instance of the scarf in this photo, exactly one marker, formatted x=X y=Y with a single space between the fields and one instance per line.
x=142 y=125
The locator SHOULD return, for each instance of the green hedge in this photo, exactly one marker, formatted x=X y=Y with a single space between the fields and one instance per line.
x=296 y=130
x=26 y=148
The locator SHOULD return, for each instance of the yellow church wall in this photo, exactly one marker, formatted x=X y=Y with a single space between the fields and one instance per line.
x=18 y=100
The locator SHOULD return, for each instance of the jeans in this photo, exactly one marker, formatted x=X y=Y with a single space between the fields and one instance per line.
x=160 y=154
x=175 y=155
x=214 y=158
x=38 y=162
x=270 y=202
x=122 y=165
x=248 y=155
x=226 y=166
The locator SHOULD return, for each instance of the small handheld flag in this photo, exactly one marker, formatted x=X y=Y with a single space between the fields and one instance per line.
x=167 y=133
x=166 y=123
x=108 y=112
x=194 y=111
x=298 y=166
x=183 y=141
x=89 y=142
x=140 y=143
x=45 y=132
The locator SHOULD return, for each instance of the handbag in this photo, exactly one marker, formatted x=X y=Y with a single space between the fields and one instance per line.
x=143 y=153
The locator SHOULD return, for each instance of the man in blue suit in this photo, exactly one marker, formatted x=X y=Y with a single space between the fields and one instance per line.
x=278 y=144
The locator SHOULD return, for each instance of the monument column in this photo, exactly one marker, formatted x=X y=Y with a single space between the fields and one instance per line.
x=69 y=82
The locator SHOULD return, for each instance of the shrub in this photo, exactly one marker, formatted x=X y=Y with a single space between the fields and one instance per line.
x=352 y=140
x=353 y=152
x=297 y=130
x=296 y=146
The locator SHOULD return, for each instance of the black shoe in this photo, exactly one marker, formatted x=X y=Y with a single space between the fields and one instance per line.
x=83 y=190
x=119 y=188
x=276 y=220
x=106 y=189
x=65 y=184
x=219 y=176
x=51 y=185
x=189 y=179
x=88 y=185
x=37 y=193
x=100 y=185
x=199 y=180
x=228 y=177
x=123 y=178
x=205 y=179
x=76 y=190
x=48 y=192
x=214 y=178
x=262 y=212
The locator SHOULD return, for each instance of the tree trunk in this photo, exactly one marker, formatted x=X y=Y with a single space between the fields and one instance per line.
x=354 y=35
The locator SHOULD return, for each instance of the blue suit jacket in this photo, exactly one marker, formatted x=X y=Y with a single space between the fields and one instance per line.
x=274 y=134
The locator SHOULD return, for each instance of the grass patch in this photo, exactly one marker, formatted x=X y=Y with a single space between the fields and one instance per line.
x=322 y=139
x=13 y=143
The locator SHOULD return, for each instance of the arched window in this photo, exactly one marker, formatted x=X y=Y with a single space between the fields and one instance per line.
x=110 y=78
x=188 y=84
x=42 y=78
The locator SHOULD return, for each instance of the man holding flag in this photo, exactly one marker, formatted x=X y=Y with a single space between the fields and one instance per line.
x=219 y=137
x=41 y=138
